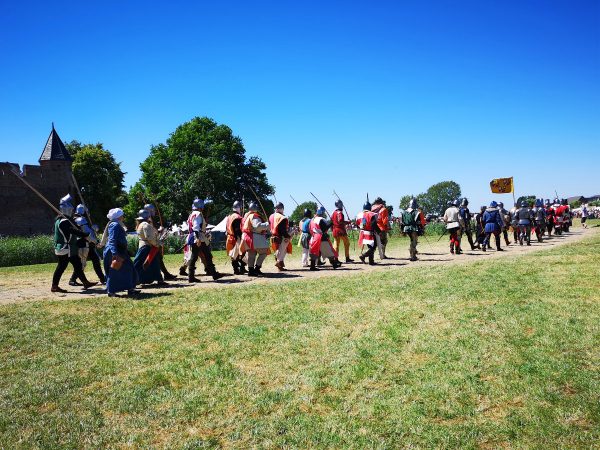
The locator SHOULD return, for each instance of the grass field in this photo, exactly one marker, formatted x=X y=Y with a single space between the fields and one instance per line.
x=499 y=353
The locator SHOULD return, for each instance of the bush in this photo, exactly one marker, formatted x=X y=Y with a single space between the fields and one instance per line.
x=18 y=251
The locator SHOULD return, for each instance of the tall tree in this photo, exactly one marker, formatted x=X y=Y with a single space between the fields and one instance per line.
x=298 y=213
x=436 y=199
x=530 y=199
x=204 y=159
x=99 y=177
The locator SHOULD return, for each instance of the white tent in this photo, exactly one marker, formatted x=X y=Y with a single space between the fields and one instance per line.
x=221 y=226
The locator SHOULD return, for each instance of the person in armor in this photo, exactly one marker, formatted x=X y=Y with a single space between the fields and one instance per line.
x=413 y=222
x=66 y=233
x=465 y=215
x=524 y=219
x=558 y=216
x=539 y=219
x=281 y=241
x=320 y=244
x=492 y=220
x=549 y=217
x=120 y=273
x=505 y=222
x=567 y=218
x=87 y=246
x=305 y=237
x=339 y=230
x=254 y=239
x=147 y=261
x=367 y=224
x=383 y=225
x=198 y=242
x=454 y=225
x=234 y=239
x=514 y=223
x=161 y=261
x=480 y=228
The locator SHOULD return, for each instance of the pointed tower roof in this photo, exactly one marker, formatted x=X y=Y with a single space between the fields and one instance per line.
x=55 y=150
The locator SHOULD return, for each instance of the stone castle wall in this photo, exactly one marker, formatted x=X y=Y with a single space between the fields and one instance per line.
x=22 y=212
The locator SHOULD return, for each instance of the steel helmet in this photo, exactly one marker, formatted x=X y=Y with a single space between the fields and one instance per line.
x=278 y=206
x=66 y=205
x=143 y=214
x=523 y=204
x=237 y=205
x=493 y=204
x=80 y=209
x=81 y=221
x=465 y=202
x=455 y=203
x=253 y=206
x=367 y=206
x=150 y=208
x=339 y=204
x=501 y=205
x=538 y=203
x=198 y=203
x=307 y=213
x=320 y=210
x=413 y=203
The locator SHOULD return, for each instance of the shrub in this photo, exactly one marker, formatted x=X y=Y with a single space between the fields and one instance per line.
x=18 y=251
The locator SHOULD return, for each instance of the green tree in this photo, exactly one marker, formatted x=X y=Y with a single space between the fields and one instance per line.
x=204 y=159
x=530 y=199
x=404 y=200
x=298 y=213
x=436 y=199
x=99 y=177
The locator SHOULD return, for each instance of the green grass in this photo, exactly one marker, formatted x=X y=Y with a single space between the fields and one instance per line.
x=497 y=353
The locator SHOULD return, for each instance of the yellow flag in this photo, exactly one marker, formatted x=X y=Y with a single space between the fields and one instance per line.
x=502 y=185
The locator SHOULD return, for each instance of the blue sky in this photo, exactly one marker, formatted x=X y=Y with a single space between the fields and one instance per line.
x=386 y=98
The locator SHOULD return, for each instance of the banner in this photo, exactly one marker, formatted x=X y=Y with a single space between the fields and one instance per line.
x=502 y=185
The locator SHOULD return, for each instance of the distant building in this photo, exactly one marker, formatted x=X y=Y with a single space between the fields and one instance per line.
x=23 y=213
x=582 y=199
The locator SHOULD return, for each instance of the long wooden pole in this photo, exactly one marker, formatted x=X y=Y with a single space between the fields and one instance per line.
x=54 y=208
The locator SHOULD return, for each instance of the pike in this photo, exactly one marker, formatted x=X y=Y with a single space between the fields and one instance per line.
x=87 y=214
x=297 y=204
x=319 y=201
x=259 y=202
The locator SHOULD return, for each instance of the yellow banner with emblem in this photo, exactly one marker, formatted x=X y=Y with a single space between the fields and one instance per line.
x=502 y=185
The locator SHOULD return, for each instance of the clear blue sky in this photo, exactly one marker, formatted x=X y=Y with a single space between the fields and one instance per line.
x=384 y=97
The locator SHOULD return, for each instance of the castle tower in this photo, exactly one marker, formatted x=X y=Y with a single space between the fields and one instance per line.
x=24 y=213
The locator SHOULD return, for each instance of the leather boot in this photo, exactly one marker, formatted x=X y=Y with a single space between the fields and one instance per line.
x=191 y=275
x=236 y=267
x=313 y=265
x=182 y=271
x=56 y=288
x=242 y=267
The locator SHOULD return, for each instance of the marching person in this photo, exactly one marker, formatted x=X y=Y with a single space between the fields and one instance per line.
x=65 y=245
x=281 y=241
x=120 y=273
x=198 y=241
x=367 y=224
x=492 y=219
x=383 y=225
x=514 y=223
x=234 y=239
x=584 y=215
x=465 y=215
x=305 y=237
x=161 y=260
x=147 y=260
x=320 y=245
x=524 y=219
x=339 y=230
x=87 y=246
x=539 y=219
x=506 y=222
x=550 y=220
x=414 y=225
x=480 y=227
x=454 y=225
x=254 y=239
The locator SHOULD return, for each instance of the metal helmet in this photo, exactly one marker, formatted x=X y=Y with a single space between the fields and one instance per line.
x=556 y=202
x=538 y=203
x=449 y=204
x=413 y=203
x=483 y=208
x=66 y=205
x=81 y=221
x=367 y=206
x=307 y=213
x=237 y=206
x=150 y=208
x=455 y=203
x=339 y=204
x=198 y=203
x=320 y=211
x=465 y=202
x=80 y=209
x=253 y=206
x=501 y=204
x=547 y=202
x=279 y=206
x=143 y=214
x=493 y=204
x=523 y=204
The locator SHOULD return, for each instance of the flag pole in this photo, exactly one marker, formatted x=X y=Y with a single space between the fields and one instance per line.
x=512 y=182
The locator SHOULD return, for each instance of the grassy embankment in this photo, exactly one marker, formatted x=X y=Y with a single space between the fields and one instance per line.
x=493 y=353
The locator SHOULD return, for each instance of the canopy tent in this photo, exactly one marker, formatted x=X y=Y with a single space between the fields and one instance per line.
x=220 y=227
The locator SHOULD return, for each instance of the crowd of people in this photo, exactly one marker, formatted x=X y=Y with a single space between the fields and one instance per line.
x=252 y=236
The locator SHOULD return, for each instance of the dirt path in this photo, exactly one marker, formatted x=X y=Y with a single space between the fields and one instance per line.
x=35 y=286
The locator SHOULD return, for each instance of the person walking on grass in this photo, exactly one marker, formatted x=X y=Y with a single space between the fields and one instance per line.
x=87 y=245
x=339 y=230
x=234 y=239
x=367 y=224
x=161 y=260
x=120 y=273
x=254 y=239
x=305 y=237
x=320 y=244
x=281 y=241
x=413 y=223
x=480 y=227
x=539 y=219
x=584 y=215
x=383 y=225
x=454 y=225
x=65 y=245
x=147 y=261
x=465 y=215
x=492 y=219
x=506 y=222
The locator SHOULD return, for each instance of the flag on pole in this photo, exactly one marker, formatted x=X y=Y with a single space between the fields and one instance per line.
x=502 y=185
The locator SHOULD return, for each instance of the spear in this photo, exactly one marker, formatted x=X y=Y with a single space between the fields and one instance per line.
x=259 y=202
x=297 y=204
x=87 y=214
x=319 y=201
